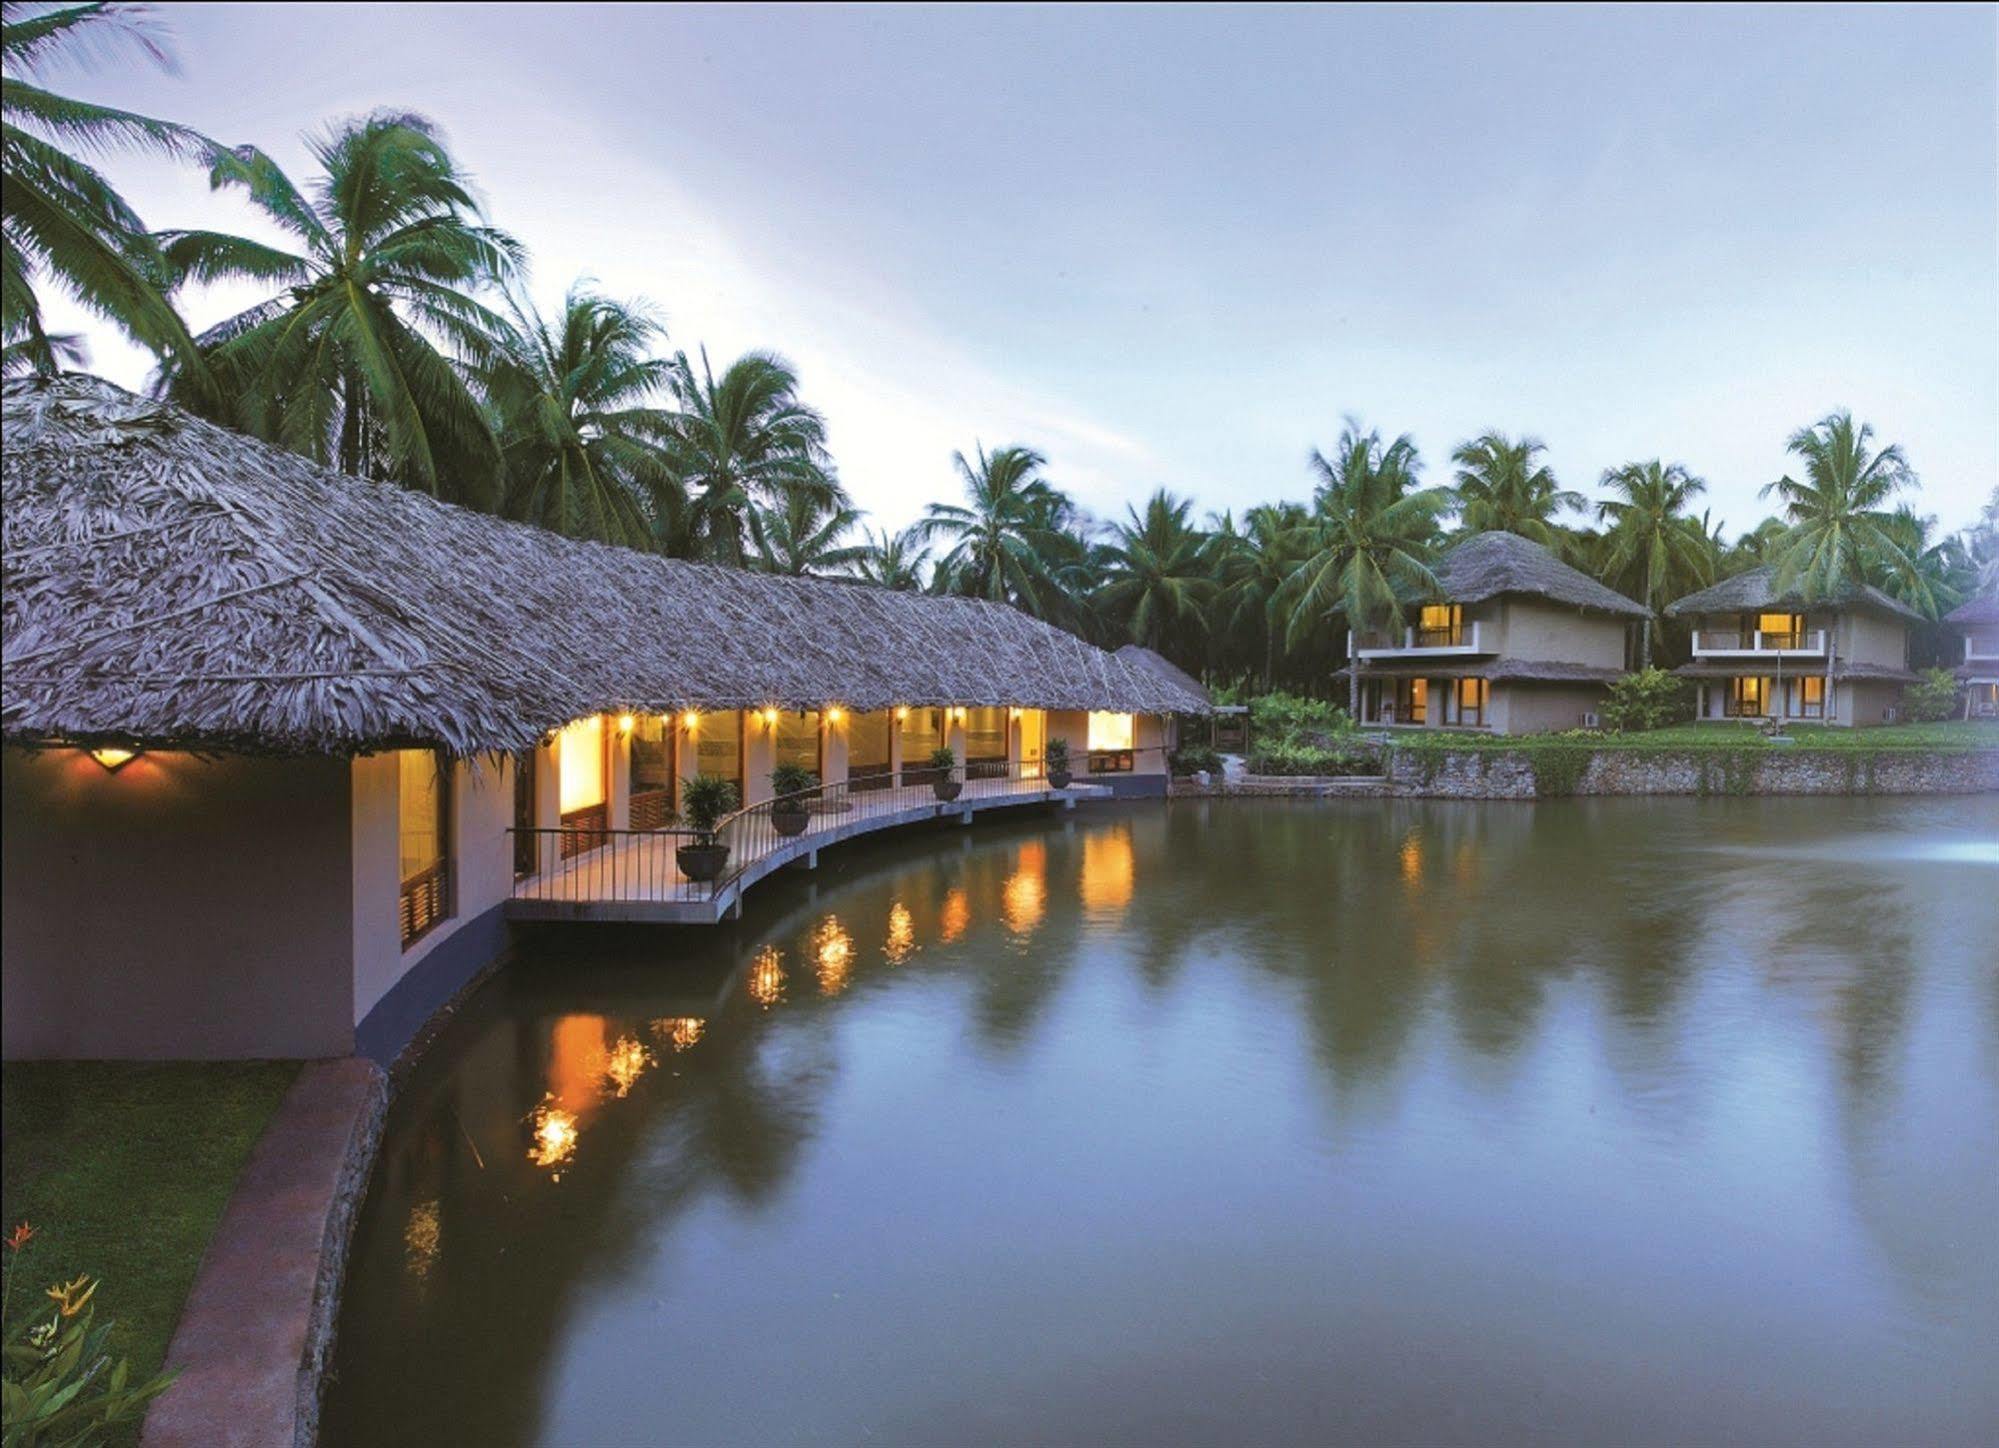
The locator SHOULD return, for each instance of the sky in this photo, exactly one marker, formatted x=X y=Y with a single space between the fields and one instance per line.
x=1177 y=247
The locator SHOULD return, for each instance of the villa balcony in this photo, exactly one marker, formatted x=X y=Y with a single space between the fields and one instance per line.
x=1423 y=643
x=1981 y=649
x=1755 y=645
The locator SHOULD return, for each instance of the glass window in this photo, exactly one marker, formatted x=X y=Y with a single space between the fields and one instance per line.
x=1464 y=702
x=985 y=734
x=1110 y=731
x=867 y=742
x=423 y=805
x=581 y=764
x=652 y=753
x=797 y=739
x=1440 y=625
x=1747 y=695
x=1412 y=701
x=1781 y=630
x=718 y=745
x=922 y=734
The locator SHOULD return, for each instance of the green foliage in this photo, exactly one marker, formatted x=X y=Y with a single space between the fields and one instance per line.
x=1194 y=759
x=792 y=779
x=1295 y=757
x=942 y=758
x=1648 y=699
x=1559 y=764
x=1932 y=699
x=1287 y=717
x=125 y=1168
x=704 y=800
x=59 y=1384
x=1056 y=754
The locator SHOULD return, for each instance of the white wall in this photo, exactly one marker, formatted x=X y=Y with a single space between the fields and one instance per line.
x=182 y=908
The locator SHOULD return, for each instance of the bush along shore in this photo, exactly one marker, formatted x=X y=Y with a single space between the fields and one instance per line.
x=1954 y=758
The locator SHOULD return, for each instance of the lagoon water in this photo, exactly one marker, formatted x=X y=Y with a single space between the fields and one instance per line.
x=1587 y=1122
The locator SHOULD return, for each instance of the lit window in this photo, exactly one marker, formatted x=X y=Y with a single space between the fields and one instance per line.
x=1110 y=731
x=582 y=764
x=423 y=798
x=797 y=739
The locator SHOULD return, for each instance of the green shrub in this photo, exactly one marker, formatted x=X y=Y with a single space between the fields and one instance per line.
x=1648 y=699
x=1281 y=716
x=942 y=758
x=792 y=779
x=59 y=1384
x=1056 y=755
x=704 y=799
x=1932 y=699
x=1292 y=758
x=1193 y=759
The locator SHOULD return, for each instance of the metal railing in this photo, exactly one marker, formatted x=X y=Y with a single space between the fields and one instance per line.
x=1756 y=641
x=598 y=865
x=1464 y=638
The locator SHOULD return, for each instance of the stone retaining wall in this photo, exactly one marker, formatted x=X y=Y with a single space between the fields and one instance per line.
x=1531 y=774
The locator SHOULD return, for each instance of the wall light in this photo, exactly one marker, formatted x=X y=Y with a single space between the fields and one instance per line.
x=626 y=723
x=834 y=713
x=901 y=713
x=690 y=719
x=770 y=718
x=114 y=760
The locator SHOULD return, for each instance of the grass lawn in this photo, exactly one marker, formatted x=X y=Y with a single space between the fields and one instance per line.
x=1952 y=735
x=123 y=1169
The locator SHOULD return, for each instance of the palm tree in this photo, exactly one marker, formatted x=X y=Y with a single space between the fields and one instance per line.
x=1250 y=565
x=1930 y=577
x=582 y=448
x=1369 y=541
x=346 y=364
x=742 y=441
x=1651 y=538
x=1839 y=526
x=1156 y=580
x=801 y=536
x=1502 y=486
x=59 y=217
x=893 y=560
x=1003 y=543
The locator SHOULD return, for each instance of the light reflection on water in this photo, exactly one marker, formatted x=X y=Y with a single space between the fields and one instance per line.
x=1614 y=1121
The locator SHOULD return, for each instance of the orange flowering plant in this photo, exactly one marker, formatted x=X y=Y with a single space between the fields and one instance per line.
x=58 y=1382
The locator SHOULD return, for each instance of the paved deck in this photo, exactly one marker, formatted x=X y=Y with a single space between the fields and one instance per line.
x=251 y=1344
x=636 y=878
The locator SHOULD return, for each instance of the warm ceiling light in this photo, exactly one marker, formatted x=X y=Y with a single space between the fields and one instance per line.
x=690 y=718
x=770 y=716
x=626 y=723
x=902 y=713
x=114 y=760
x=833 y=714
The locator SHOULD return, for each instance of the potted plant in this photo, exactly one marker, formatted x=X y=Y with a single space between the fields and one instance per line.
x=945 y=763
x=789 y=810
x=703 y=802
x=1057 y=758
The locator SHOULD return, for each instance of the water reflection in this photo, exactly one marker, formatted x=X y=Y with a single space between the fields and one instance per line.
x=1471 y=1101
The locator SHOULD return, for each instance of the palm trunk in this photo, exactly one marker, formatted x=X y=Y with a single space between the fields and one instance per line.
x=1645 y=643
x=1353 y=677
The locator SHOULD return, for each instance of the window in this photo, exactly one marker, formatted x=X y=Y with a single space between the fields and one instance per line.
x=580 y=761
x=718 y=746
x=526 y=842
x=423 y=813
x=1781 y=630
x=1464 y=703
x=1110 y=738
x=867 y=749
x=1811 y=697
x=985 y=742
x=652 y=772
x=1412 y=701
x=1747 y=697
x=922 y=736
x=1440 y=625
x=796 y=740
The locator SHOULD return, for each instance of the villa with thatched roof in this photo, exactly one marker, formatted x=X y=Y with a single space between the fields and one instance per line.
x=285 y=751
x=1516 y=642
x=1978 y=620
x=1764 y=653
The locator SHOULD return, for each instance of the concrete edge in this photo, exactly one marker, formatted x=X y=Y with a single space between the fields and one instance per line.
x=357 y=1169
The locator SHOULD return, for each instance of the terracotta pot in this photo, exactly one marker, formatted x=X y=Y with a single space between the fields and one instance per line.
x=702 y=862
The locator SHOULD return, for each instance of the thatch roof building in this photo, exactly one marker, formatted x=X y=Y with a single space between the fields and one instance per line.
x=1756 y=590
x=1488 y=565
x=171 y=583
x=1979 y=610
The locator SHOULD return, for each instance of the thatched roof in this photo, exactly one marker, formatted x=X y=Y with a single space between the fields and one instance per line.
x=176 y=584
x=1981 y=609
x=1487 y=565
x=1756 y=589
x=1140 y=657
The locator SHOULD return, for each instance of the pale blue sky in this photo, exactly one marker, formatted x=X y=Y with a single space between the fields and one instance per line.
x=1177 y=246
